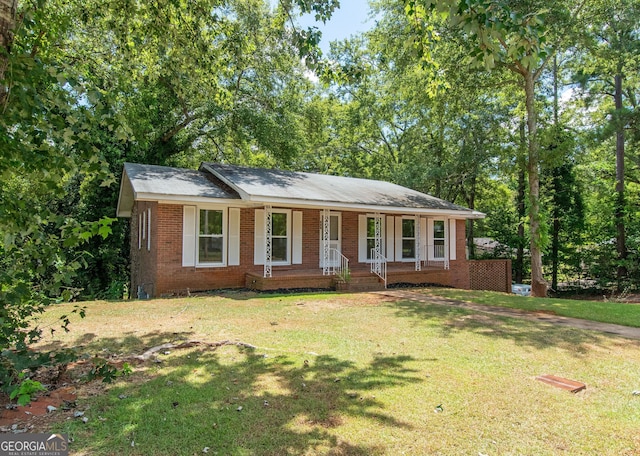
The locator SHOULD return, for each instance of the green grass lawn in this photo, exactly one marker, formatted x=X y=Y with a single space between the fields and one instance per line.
x=620 y=313
x=350 y=375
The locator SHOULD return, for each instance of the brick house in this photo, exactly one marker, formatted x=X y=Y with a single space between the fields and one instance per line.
x=226 y=226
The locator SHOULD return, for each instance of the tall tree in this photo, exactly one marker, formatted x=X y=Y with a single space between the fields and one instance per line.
x=609 y=68
x=95 y=82
x=517 y=35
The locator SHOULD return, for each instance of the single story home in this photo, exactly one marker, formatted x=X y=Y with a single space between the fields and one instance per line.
x=225 y=226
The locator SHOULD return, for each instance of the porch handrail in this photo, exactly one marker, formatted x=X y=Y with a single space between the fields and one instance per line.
x=436 y=255
x=340 y=267
x=379 y=265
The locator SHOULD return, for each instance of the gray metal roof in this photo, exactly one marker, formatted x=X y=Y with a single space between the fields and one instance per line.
x=258 y=183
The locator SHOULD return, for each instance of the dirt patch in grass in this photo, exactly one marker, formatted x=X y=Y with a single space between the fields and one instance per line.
x=345 y=300
x=62 y=394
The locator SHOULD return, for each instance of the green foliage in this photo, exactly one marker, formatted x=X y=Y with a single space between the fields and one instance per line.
x=107 y=372
x=25 y=390
x=46 y=142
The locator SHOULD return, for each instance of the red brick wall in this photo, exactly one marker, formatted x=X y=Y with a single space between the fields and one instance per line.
x=172 y=277
x=459 y=269
x=161 y=270
x=310 y=239
x=350 y=237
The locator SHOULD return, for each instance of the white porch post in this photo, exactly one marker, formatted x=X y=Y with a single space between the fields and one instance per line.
x=418 y=236
x=326 y=225
x=377 y=241
x=268 y=238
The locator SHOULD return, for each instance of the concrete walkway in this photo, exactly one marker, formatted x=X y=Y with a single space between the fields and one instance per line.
x=609 y=328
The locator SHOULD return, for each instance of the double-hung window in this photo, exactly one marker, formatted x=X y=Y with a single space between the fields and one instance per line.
x=438 y=239
x=280 y=227
x=408 y=239
x=211 y=236
x=371 y=235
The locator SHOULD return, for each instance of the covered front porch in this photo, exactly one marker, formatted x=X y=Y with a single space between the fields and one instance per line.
x=359 y=278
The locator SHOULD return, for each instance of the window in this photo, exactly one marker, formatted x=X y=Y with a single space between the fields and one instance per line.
x=367 y=236
x=140 y=225
x=371 y=236
x=334 y=230
x=438 y=238
x=279 y=237
x=149 y=229
x=211 y=236
x=408 y=239
x=144 y=228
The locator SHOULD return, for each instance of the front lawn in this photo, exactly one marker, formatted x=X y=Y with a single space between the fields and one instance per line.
x=354 y=374
x=620 y=313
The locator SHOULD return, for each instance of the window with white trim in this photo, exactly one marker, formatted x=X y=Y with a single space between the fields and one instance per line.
x=140 y=231
x=280 y=242
x=371 y=236
x=367 y=236
x=211 y=236
x=144 y=228
x=149 y=229
x=438 y=239
x=408 y=239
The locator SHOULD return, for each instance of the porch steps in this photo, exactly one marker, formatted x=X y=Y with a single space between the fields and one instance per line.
x=360 y=283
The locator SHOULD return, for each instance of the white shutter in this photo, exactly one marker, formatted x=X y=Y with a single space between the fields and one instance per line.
x=258 y=237
x=362 y=238
x=430 y=238
x=390 y=241
x=189 y=236
x=234 y=236
x=398 y=239
x=296 y=246
x=423 y=239
x=452 y=239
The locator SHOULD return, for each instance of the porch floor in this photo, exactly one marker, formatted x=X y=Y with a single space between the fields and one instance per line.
x=361 y=278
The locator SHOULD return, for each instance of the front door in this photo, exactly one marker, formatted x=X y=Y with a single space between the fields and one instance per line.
x=334 y=240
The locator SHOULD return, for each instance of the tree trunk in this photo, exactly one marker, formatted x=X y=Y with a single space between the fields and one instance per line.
x=472 y=205
x=522 y=208
x=555 y=251
x=621 y=244
x=555 y=179
x=538 y=284
x=7 y=22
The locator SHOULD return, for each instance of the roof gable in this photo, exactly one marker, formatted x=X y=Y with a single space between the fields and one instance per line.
x=155 y=182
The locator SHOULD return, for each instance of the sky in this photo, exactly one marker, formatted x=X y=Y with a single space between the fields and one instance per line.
x=349 y=19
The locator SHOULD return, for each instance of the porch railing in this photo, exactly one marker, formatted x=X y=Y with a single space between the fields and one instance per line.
x=338 y=263
x=435 y=256
x=379 y=266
